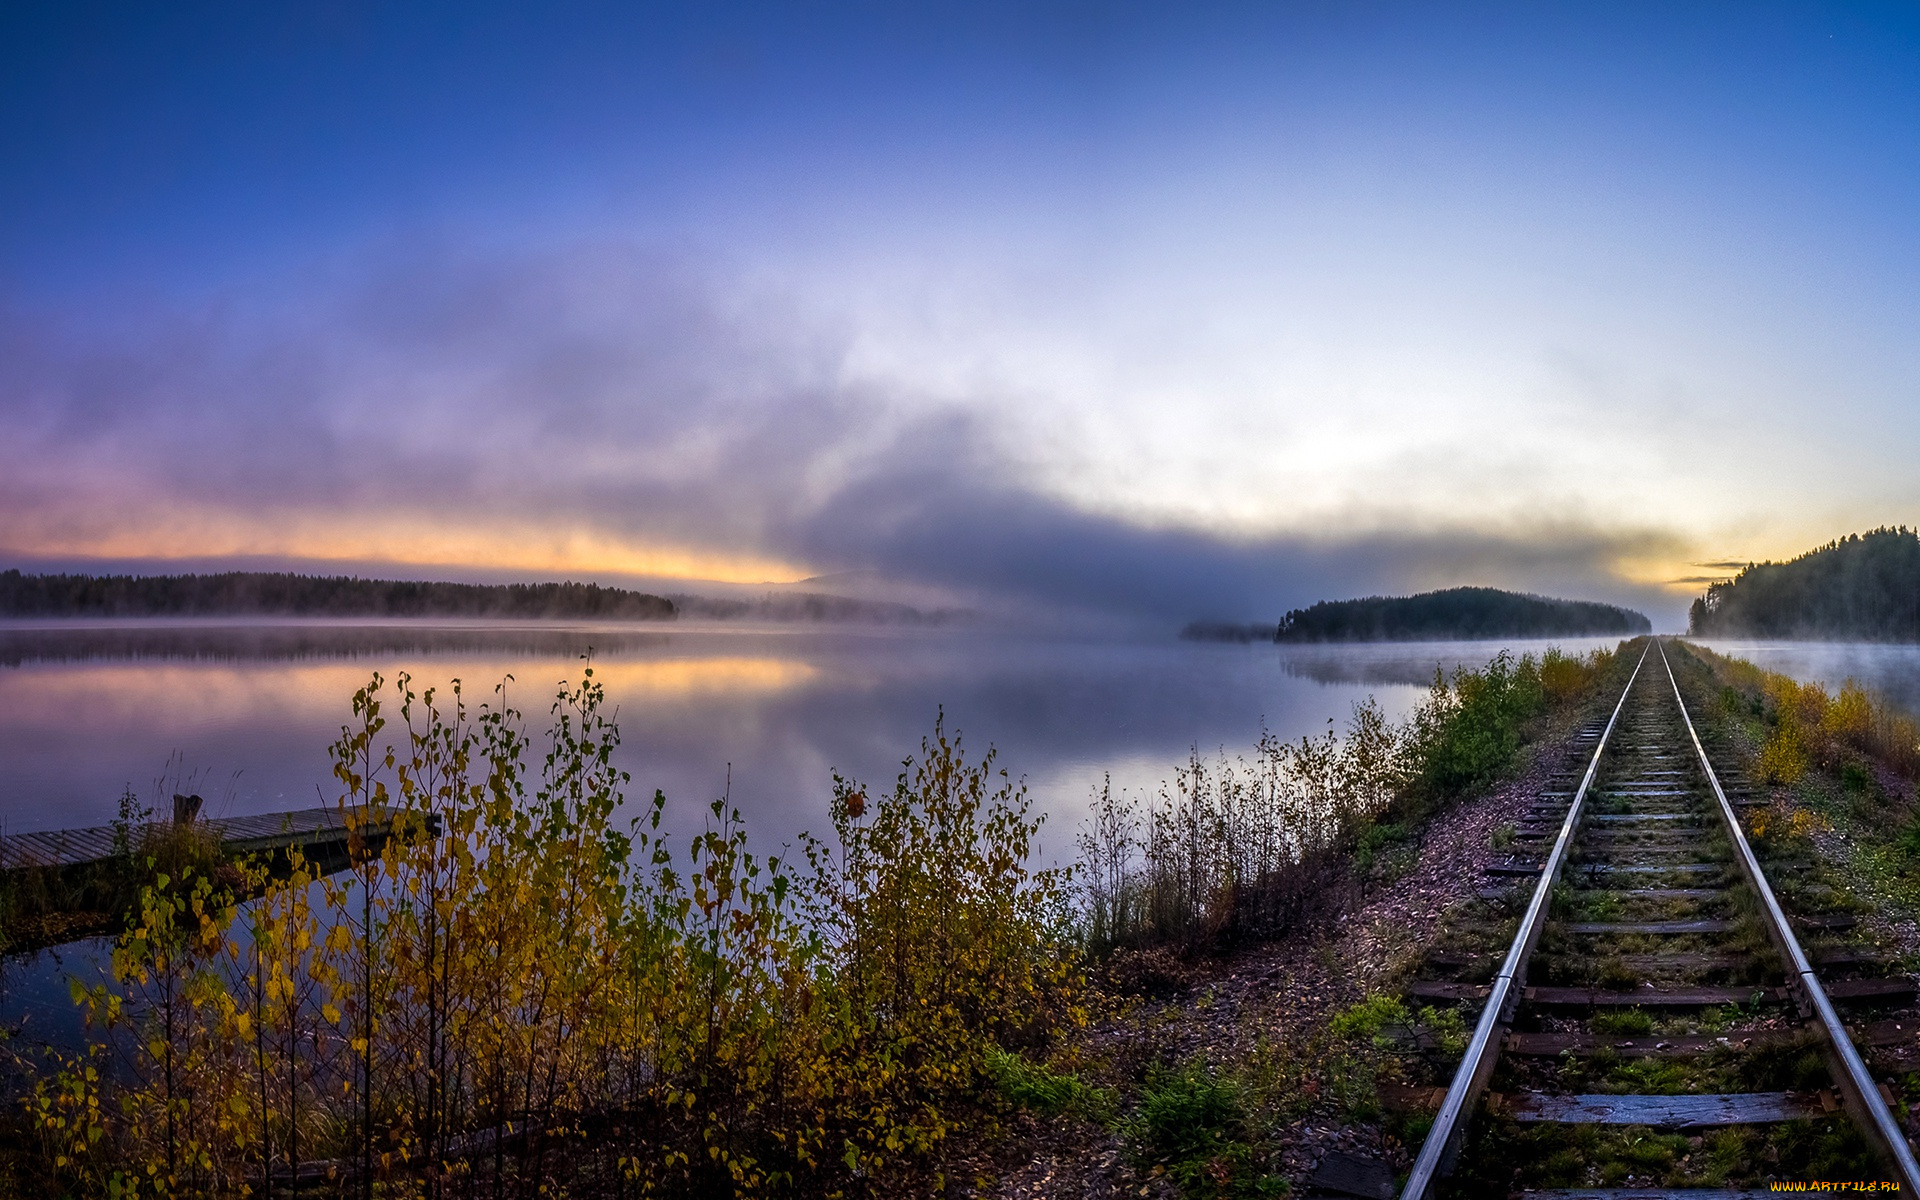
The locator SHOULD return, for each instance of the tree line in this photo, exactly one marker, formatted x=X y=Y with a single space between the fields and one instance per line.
x=256 y=593
x=1863 y=587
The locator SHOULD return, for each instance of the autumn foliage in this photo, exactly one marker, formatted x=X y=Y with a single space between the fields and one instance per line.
x=1809 y=725
x=1248 y=845
x=514 y=990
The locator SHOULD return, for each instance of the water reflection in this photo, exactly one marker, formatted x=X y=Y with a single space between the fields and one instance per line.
x=36 y=1000
x=86 y=711
x=280 y=641
x=1410 y=663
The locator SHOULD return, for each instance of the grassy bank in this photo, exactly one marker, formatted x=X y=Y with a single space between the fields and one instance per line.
x=1248 y=847
x=1840 y=768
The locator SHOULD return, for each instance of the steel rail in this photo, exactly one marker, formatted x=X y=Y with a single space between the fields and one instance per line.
x=1855 y=1083
x=1484 y=1050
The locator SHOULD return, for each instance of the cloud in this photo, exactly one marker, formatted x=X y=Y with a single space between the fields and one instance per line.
x=612 y=412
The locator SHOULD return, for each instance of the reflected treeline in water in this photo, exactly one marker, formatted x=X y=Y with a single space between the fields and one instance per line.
x=1410 y=663
x=1341 y=666
x=20 y=645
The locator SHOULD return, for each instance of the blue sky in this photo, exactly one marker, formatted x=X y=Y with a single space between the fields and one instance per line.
x=1163 y=310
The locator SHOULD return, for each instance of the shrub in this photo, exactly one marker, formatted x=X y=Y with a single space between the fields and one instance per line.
x=1822 y=724
x=1247 y=846
x=535 y=999
x=1565 y=678
x=942 y=943
x=1783 y=759
x=1194 y=1124
x=1469 y=730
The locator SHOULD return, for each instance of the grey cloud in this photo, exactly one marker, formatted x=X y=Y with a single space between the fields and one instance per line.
x=608 y=389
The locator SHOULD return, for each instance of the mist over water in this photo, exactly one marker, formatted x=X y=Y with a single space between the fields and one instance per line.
x=247 y=710
x=244 y=712
x=1891 y=670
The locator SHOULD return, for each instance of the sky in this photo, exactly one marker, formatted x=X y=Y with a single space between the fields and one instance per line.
x=1152 y=311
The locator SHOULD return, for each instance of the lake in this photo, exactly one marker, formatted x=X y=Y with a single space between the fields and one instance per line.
x=242 y=714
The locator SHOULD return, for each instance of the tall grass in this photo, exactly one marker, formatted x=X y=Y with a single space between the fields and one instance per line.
x=1808 y=724
x=1247 y=845
x=44 y=905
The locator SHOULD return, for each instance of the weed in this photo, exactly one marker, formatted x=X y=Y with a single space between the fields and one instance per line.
x=1855 y=777
x=1030 y=1085
x=1377 y=843
x=1376 y=1019
x=1616 y=975
x=1628 y=1022
x=1194 y=1124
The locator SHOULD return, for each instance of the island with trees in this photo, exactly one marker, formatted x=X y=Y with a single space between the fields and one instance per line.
x=1454 y=614
x=1864 y=588
x=1462 y=613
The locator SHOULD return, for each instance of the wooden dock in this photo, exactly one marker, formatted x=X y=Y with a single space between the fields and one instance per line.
x=314 y=830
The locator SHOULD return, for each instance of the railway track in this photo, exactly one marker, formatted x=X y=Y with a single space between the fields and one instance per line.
x=1661 y=1023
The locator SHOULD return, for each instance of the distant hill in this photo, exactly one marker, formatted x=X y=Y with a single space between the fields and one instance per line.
x=250 y=593
x=1864 y=587
x=1456 y=613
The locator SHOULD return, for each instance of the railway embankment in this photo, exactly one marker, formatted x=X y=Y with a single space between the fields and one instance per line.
x=1658 y=1034
x=1257 y=1066
x=1690 y=996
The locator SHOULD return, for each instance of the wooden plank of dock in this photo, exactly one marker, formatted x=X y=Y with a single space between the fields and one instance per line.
x=306 y=827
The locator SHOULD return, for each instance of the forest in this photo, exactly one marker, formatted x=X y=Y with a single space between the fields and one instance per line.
x=1863 y=587
x=252 y=593
x=1456 y=613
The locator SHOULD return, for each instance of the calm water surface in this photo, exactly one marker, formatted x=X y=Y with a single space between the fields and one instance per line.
x=246 y=712
x=1893 y=671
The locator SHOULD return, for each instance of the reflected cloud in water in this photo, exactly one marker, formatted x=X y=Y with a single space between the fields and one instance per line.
x=86 y=711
